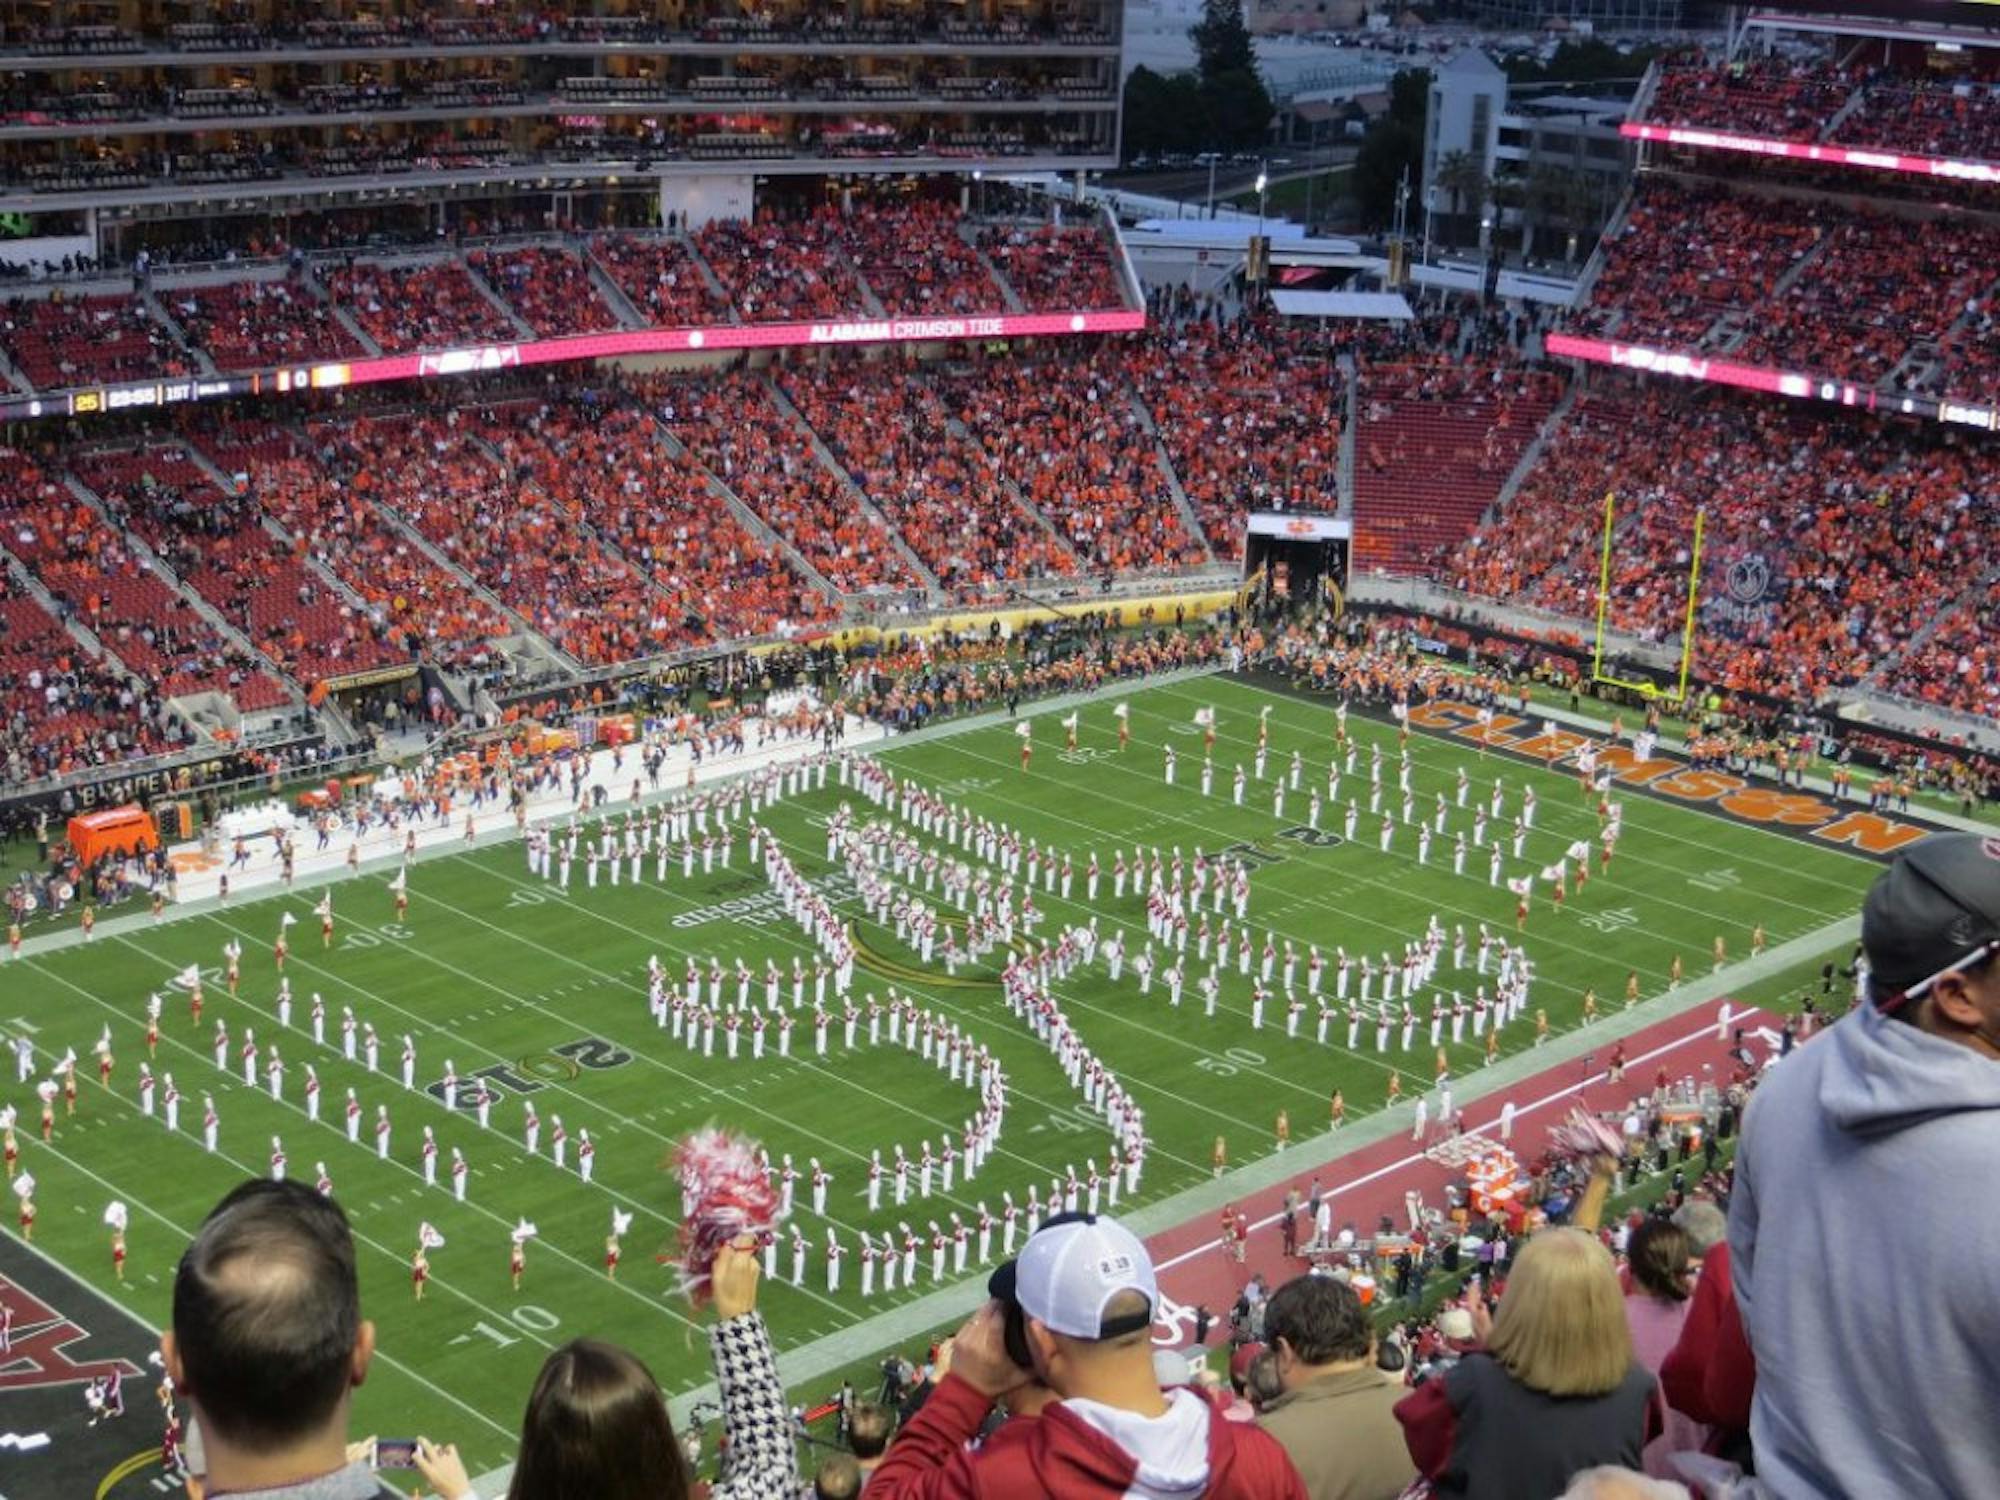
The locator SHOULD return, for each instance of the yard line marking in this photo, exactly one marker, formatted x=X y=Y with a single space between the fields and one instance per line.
x=470 y=1204
x=388 y=1359
x=1235 y=834
x=644 y=1056
x=415 y=951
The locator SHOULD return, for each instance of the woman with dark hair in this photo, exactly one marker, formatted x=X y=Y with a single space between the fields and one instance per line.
x=1662 y=1280
x=597 y=1425
x=1662 y=1263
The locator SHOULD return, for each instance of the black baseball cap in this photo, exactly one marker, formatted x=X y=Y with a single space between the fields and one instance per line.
x=1933 y=912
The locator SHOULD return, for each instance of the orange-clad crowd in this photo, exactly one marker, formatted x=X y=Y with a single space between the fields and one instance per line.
x=733 y=427
x=889 y=428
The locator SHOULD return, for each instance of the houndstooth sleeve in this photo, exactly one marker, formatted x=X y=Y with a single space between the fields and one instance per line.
x=759 y=1461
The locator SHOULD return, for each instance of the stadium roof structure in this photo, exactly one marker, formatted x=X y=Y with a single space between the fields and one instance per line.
x=1900 y=28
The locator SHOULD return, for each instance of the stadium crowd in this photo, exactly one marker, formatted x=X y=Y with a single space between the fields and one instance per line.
x=549 y=288
x=1798 y=99
x=731 y=424
x=913 y=259
x=1825 y=578
x=258 y=325
x=1250 y=413
x=1687 y=256
x=217 y=544
x=889 y=428
x=1066 y=435
x=1815 y=286
x=426 y=305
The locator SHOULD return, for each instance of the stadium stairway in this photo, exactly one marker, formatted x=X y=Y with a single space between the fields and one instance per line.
x=1181 y=502
x=491 y=293
x=869 y=301
x=1012 y=298
x=1433 y=470
x=1879 y=675
x=1729 y=331
x=613 y=295
x=750 y=520
x=712 y=281
x=344 y=318
x=1532 y=455
x=1344 y=459
x=22 y=578
x=530 y=643
x=187 y=593
x=847 y=482
x=1840 y=116
x=977 y=455
x=157 y=310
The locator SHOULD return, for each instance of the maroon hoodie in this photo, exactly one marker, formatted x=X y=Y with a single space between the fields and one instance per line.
x=1082 y=1451
x=1711 y=1374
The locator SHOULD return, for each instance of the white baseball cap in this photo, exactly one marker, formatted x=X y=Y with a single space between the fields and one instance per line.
x=1071 y=1268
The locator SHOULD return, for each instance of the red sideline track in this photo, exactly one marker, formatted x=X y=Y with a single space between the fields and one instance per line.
x=1193 y=1268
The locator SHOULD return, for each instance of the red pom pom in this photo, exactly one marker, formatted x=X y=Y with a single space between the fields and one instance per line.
x=1583 y=1136
x=725 y=1196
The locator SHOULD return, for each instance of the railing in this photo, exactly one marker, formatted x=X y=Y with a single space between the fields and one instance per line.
x=1430 y=598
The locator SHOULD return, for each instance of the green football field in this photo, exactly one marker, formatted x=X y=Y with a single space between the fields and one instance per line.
x=496 y=970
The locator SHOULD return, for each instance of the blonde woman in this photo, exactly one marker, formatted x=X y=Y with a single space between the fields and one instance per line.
x=1554 y=1390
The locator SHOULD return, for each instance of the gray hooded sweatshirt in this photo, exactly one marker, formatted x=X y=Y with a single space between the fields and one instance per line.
x=1865 y=1239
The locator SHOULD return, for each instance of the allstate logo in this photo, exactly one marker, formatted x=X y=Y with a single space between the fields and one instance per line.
x=1749 y=579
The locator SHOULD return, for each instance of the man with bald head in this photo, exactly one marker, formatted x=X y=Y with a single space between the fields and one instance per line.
x=268 y=1343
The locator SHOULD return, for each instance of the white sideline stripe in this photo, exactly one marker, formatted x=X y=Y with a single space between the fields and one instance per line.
x=1206 y=1246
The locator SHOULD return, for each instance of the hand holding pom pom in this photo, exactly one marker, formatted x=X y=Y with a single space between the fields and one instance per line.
x=726 y=1200
x=1583 y=1136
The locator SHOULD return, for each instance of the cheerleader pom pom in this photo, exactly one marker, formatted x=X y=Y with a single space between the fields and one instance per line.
x=725 y=1199
x=1583 y=1136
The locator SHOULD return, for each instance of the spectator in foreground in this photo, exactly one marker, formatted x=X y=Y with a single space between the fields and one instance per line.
x=839 y=1478
x=1607 y=1483
x=1066 y=1340
x=1657 y=1306
x=1337 y=1414
x=1871 y=1149
x=1553 y=1391
x=268 y=1344
x=1656 y=1310
x=597 y=1423
x=868 y=1435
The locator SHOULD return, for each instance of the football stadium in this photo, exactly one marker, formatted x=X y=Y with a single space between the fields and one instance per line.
x=753 y=751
